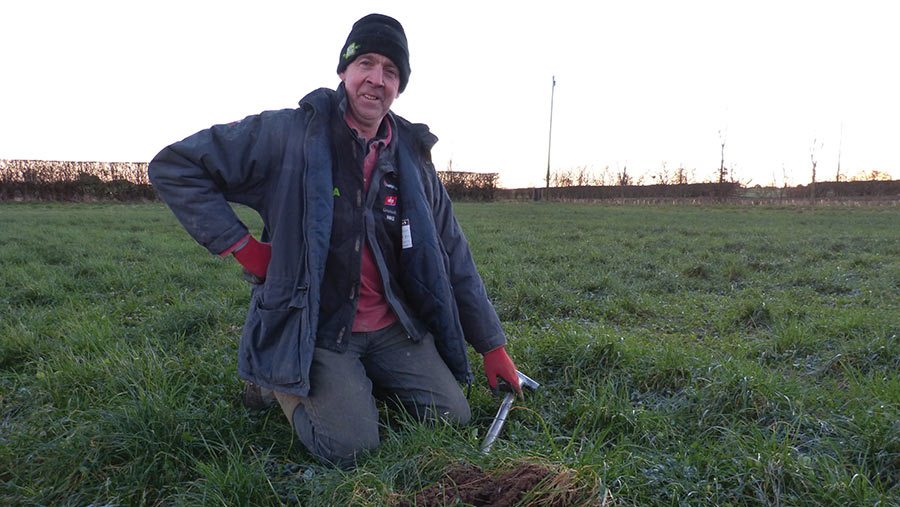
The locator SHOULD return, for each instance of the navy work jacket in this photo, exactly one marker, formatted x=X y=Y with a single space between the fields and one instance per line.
x=279 y=163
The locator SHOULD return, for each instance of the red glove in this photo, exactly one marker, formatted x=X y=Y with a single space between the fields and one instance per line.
x=497 y=362
x=254 y=256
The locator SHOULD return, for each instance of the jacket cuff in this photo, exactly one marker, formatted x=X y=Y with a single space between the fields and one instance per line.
x=493 y=343
x=236 y=246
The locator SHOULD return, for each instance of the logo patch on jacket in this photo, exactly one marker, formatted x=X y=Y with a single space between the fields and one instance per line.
x=390 y=200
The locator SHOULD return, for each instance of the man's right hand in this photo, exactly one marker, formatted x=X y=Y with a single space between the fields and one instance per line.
x=497 y=363
x=254 y=256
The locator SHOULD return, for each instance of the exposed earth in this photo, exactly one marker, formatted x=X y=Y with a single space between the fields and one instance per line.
x=469 y=485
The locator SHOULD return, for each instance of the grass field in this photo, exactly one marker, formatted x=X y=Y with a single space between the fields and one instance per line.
x=687 y=355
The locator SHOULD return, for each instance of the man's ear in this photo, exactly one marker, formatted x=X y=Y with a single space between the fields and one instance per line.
x=341 y=75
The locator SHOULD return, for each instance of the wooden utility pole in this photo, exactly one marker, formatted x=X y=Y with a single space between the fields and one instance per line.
x=840 y=143
x=550 y=136
x=812 y=157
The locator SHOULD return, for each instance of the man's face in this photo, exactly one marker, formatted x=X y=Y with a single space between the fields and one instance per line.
x=372 y=82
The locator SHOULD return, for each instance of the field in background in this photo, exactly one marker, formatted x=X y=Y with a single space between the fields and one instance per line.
x=688 y=354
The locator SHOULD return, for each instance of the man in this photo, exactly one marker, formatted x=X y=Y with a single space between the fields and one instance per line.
x=364 y=284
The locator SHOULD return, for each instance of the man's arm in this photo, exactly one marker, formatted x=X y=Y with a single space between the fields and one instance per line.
x=476 y=313
x=479 y=320
x=196 y=177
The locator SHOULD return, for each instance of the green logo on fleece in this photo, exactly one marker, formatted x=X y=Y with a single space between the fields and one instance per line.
x=337 y=193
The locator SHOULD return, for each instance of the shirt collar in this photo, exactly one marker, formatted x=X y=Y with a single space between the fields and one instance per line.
x=385 y=130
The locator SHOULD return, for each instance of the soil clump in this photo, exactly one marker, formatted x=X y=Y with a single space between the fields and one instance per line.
x=469 y=485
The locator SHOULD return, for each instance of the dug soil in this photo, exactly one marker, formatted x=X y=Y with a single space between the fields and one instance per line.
x=468 y=485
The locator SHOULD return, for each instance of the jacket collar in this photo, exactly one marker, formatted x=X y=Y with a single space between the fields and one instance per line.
x=320 y=102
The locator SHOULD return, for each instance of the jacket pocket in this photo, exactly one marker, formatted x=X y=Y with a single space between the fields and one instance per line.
x=275 y=294
x=276 y=345
x=273 y=335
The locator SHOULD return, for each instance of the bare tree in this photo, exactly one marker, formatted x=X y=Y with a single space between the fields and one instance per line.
x=579 y=176
x=583 y=176
x=785 y=177
x=734 y=177
x=722 y=170
x=680 y=176
x=606 y=176
x=813 y=152
x=662 y=176
x=623 y=179
x=873 y=175
x=562 y=178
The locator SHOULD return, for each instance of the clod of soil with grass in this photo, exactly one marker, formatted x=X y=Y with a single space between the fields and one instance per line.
x=531 y=483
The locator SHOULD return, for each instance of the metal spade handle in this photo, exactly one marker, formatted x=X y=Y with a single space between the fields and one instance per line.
x=505 y=405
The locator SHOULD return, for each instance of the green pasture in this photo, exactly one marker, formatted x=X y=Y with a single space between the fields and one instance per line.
x=688 y=355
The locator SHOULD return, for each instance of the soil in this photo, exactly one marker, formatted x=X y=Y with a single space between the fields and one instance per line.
x=469 y=485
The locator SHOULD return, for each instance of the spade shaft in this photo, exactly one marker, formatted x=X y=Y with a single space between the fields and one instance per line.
x=494 y=431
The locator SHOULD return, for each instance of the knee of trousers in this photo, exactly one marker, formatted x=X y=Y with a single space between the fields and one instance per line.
x=460 y=413
x=331 y=446
x=342 y=451
x=457 y=412
x=339 y=445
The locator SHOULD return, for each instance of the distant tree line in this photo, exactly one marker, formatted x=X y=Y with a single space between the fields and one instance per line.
x=580 y=183
x=128 y=181
x=469 y=186
x=716 y=191
x=839 y=189
x=74 y=181
x=50 y=180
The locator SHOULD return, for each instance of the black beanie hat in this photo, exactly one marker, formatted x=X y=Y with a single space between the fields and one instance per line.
x=377 y=33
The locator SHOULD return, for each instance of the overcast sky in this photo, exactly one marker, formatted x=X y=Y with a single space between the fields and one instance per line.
x=639 y=84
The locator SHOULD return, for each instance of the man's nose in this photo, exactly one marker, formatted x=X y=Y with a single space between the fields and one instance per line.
x=376 y=76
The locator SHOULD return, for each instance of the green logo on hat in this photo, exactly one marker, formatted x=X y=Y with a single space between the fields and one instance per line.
x=351 y=50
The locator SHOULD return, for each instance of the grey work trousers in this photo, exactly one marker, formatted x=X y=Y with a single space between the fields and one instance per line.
x=339 y=419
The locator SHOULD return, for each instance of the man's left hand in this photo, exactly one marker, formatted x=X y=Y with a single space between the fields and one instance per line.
x=497 y=362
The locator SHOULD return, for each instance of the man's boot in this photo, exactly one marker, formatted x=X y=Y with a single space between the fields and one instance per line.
x=256 y=397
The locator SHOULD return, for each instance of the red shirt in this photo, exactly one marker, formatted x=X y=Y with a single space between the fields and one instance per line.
x=372 y=311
